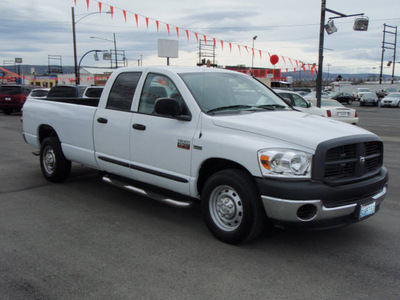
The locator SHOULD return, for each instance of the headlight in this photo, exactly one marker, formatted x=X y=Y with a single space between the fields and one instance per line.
x=285 y=163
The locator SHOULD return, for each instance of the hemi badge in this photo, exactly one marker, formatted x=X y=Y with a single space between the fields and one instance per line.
x=184 y=144
x=197 y=147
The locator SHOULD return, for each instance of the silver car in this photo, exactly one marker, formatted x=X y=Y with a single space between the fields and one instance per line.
x=393 y=99
x=369 y=99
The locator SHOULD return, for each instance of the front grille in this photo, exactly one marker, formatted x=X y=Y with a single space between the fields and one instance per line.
x=348 y=162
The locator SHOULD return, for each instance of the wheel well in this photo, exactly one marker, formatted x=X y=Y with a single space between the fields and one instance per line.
x=46 y=131
x=212 y=166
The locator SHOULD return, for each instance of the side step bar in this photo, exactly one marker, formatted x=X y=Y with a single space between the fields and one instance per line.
x=147 y=193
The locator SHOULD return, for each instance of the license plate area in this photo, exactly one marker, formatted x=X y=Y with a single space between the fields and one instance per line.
x=367 y=210
x=343 y=114
x=7 y=99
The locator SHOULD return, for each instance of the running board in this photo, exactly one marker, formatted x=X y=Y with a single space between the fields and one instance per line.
x=147 y=193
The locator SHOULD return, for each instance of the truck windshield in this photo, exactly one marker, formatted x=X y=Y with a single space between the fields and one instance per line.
x=217 y=92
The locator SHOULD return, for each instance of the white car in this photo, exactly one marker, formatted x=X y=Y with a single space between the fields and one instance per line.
x=369 y=99
x=39 y=93
x=393 y=99
x=359 y=92
x=300 y=103
x=337 y=111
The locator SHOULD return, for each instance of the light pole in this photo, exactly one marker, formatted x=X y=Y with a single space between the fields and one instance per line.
x=115 y=47
x=252 y=57
x=360 y=24
x=74 y=36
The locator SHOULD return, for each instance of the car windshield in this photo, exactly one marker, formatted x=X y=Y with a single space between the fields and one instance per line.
x=10 y=90
x=217 y=92
x=39 y=93
x=364 y=90
x=330 y=103
x=396 y=95
x=93 y=92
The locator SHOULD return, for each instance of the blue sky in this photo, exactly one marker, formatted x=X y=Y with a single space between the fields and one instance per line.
x=289 y=28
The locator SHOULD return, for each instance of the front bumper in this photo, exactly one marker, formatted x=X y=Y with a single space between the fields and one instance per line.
x=296 y=204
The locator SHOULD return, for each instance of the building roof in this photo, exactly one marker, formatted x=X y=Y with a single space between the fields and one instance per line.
x=96 y=71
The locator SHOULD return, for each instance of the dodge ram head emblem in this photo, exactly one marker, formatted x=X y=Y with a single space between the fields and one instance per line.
x=362 y=160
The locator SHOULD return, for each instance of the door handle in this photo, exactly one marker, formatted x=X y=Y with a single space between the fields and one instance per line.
x=138 y=127
x=102 y=120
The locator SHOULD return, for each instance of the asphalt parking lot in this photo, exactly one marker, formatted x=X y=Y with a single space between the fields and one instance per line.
x=84 y=239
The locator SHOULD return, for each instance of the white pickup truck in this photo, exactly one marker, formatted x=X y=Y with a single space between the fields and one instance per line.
x=217 y=136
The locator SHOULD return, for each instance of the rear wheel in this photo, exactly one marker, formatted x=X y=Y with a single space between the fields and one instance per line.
x=55 y=167
x=232 y=207
x=349 y=101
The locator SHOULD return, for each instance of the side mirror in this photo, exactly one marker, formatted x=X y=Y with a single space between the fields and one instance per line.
x=169 y=107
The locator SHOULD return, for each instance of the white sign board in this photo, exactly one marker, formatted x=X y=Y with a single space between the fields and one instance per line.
x=168 y=48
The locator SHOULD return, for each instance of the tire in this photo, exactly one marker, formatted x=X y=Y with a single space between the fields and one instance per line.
x=7 y=111
x=232 y=208
x=55 y=167
x=349 y=101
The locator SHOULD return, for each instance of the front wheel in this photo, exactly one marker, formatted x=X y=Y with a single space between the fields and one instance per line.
x=232 y=208
x=55 y=167
x=349 y=101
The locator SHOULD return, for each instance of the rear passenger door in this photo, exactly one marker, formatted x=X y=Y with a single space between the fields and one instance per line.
x=112 y=126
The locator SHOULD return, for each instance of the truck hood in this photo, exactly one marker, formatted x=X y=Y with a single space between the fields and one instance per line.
x=293 y=127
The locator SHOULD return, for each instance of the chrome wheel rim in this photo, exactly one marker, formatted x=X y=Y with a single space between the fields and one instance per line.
x=49 y=160
x=226 y=208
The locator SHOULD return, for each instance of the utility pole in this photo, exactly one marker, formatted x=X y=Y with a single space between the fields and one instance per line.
x=390 y=46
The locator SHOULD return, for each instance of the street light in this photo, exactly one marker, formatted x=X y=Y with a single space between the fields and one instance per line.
x=115 y=47
x=79 y=65
x=74 y=35
x=252 y=59
x=360 y=24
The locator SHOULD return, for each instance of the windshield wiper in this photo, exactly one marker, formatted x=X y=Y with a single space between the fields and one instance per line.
x=229 y=107
x=271 y=106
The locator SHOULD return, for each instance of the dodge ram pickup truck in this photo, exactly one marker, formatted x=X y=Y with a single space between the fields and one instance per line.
x=220 y=137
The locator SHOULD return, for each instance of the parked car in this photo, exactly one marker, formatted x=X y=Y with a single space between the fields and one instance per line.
x=342 y=97
x=383 y=93
x=39 y=93
x=393 y=99
x=66 y=91
x=359 y=92
x=369 y=99
x=300 y=103
x=339 y=112
x=313 y=96
x=13 y=97
x=93 y=91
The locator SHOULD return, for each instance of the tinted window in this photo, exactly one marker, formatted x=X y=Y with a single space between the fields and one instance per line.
x=298 y=101
x=122 y=91
x=93 y=92
x=63 y=91
x=10 y=90
x=39 y=93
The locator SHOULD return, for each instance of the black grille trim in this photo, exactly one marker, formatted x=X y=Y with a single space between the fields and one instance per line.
x=347 y=160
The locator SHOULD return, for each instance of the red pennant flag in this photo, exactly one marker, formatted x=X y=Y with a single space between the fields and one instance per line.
x=290 y=61
x=205 y=39
x=246 y=49
x=252 y=49
x=287 y=71
x=137 y=20
x=147 y=23
x=124 y=12
x=177 y=32
x=87 y=2
x=222 y=44
x=75 y=2
x=294 y=69
x=158 y=25
x=260 y=54
x=112 y=12
x=230 y=47
x=304 y=69
x=168 y=29
x=240 y=51
x=284 y=60
x=187 y=34
x=215 y=42
x=297 y=63
x=197 y=36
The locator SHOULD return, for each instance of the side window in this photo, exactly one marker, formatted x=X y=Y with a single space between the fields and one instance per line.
x=286 y=96
x=122 y=91
x=158 y=86
x=298 y=101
